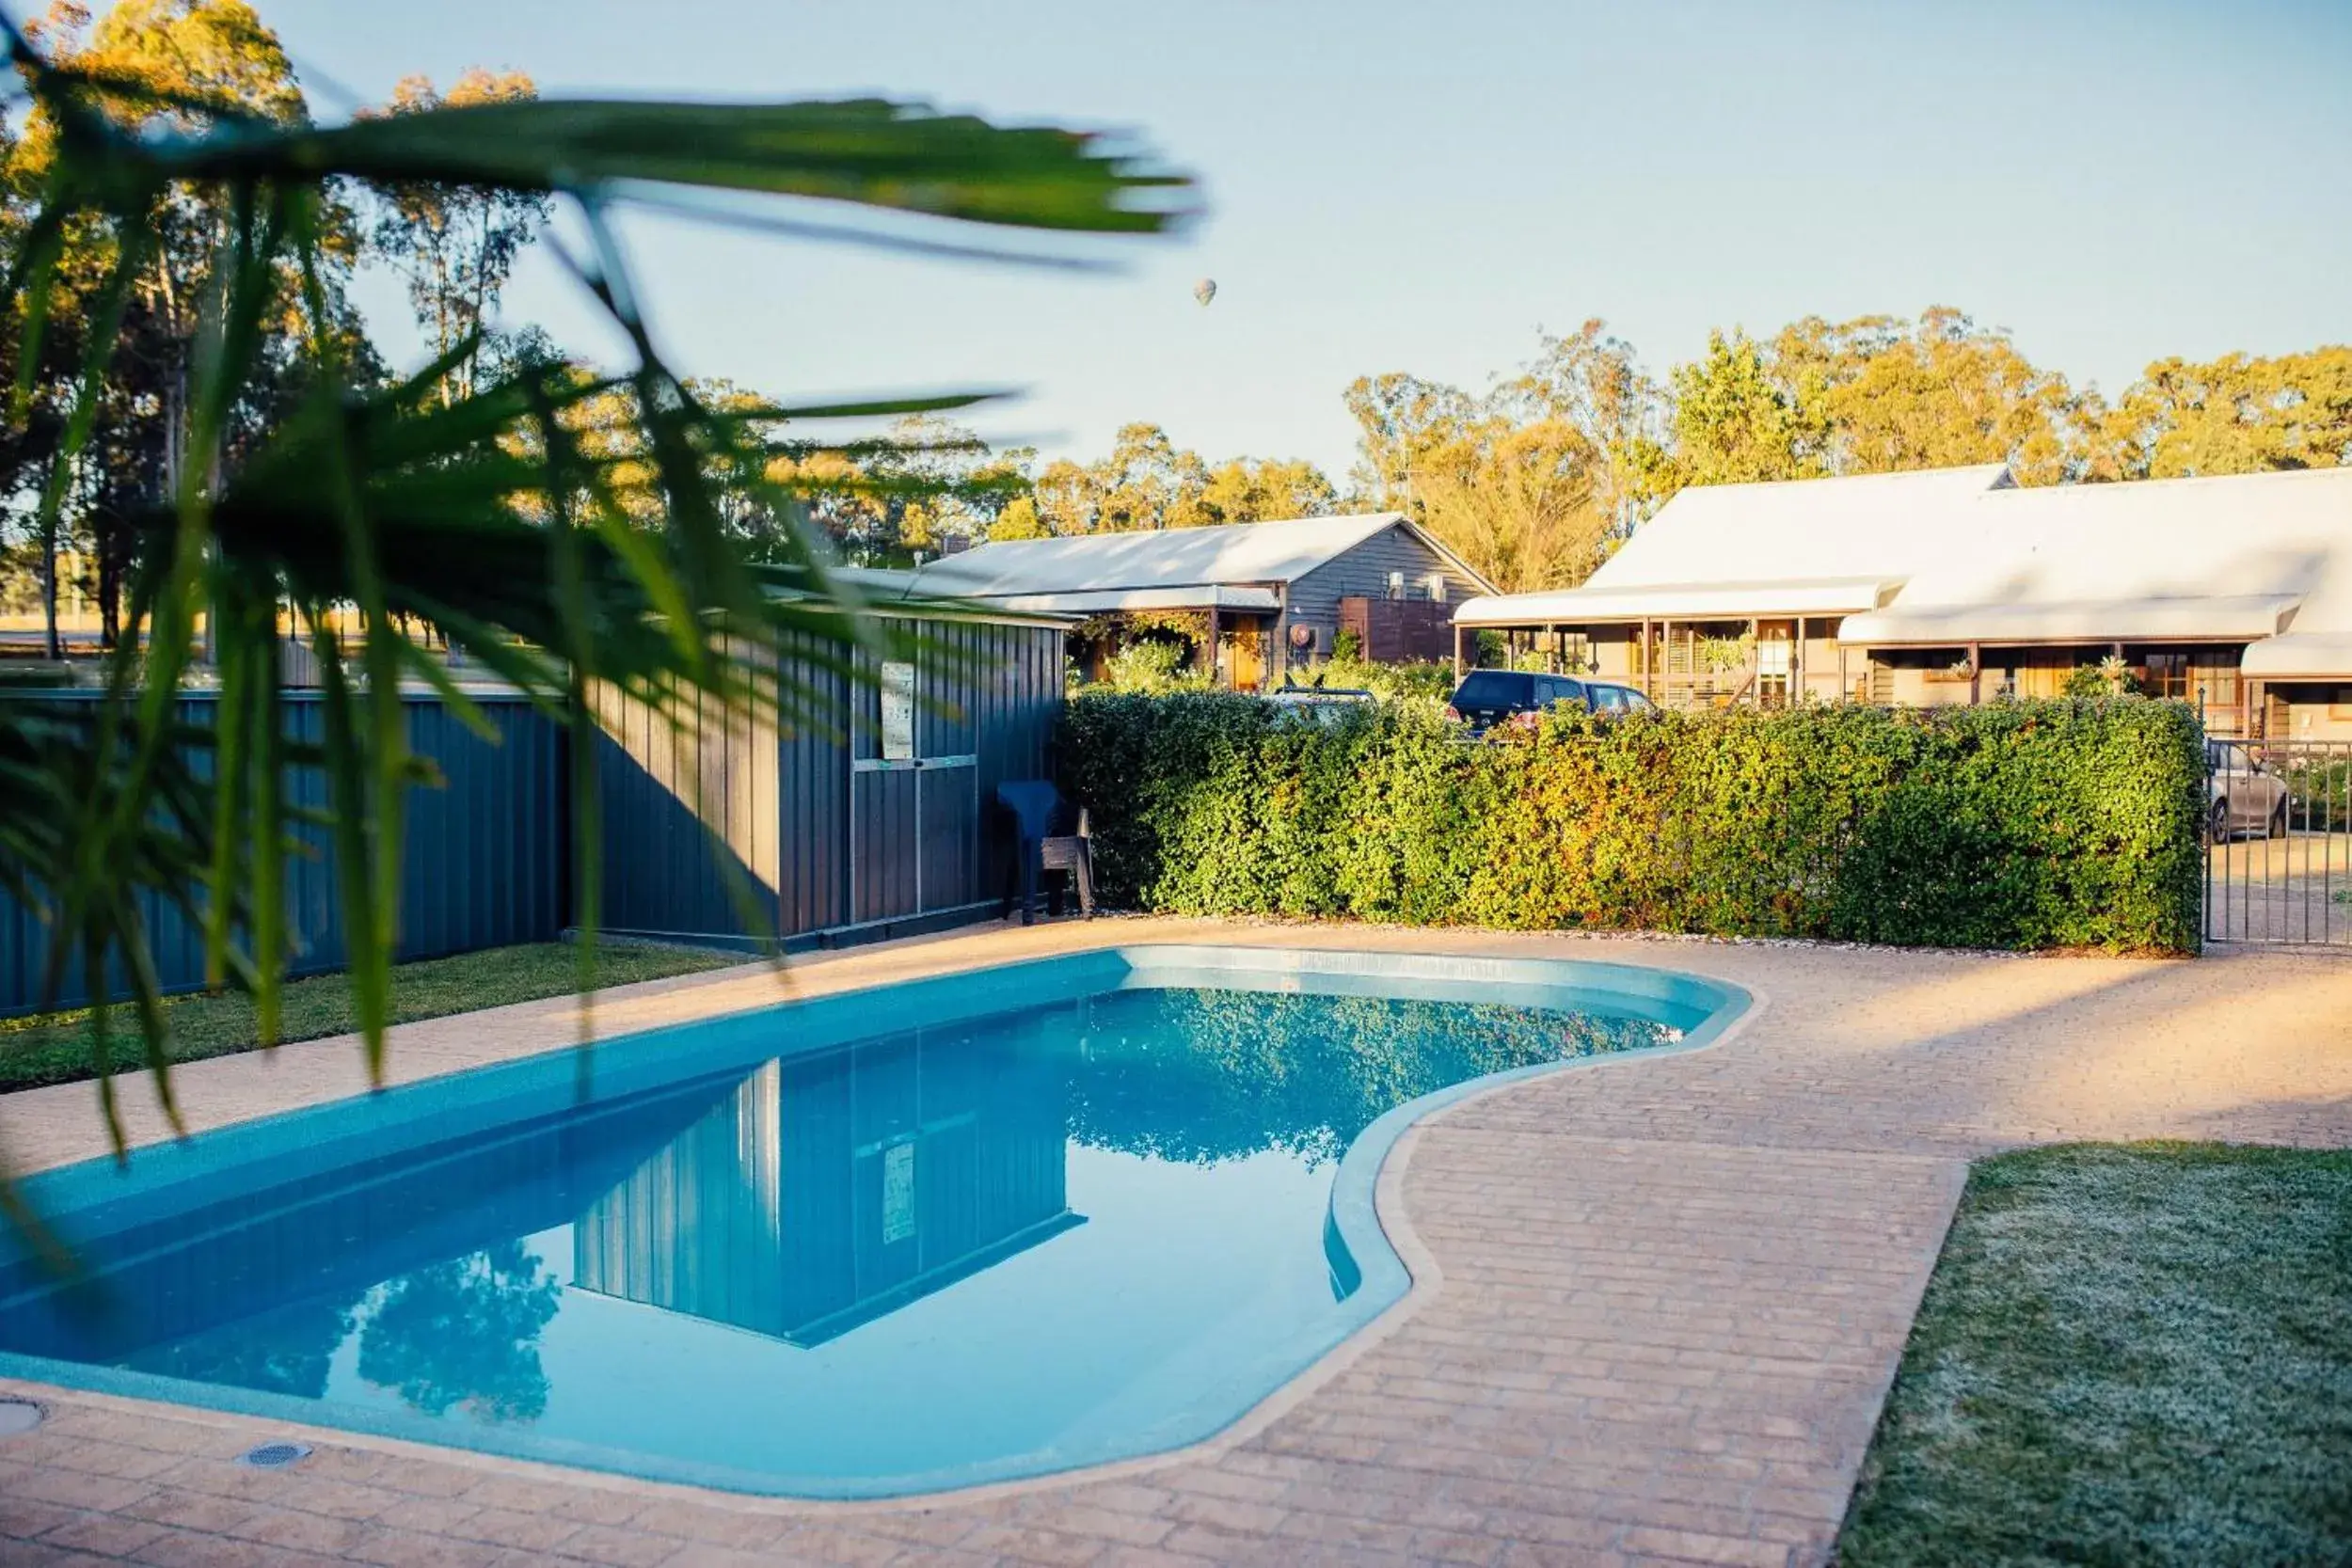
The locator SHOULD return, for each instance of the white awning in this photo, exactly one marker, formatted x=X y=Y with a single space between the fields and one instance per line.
x=2326 y=655
x=1207 y=596
x=2212 y=618
x=1685 y=601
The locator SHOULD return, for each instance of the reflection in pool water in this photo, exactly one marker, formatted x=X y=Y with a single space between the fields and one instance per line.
x=975 y=1248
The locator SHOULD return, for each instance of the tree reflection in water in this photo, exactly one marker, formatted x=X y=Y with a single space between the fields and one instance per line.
x=1205 y=1075
x=285 y=1351
x=464 y=1336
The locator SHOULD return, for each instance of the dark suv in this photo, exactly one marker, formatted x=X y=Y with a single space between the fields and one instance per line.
x=1489 y=697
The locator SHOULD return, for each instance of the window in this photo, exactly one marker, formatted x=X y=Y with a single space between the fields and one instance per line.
x=1609 y=699
x=2209 y=673
x=1396 y=585
x=1560 y=689
x=1437 y=587
x=1494 y=690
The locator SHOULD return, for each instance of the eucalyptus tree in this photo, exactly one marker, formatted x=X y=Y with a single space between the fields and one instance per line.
x=182 y=58
x=482 y=515
x=454 y=245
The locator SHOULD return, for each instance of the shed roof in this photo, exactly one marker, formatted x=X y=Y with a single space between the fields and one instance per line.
x=1235 y=554
x=1195 y=595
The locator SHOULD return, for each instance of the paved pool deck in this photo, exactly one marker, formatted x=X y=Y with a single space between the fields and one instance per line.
x=1658 y=1303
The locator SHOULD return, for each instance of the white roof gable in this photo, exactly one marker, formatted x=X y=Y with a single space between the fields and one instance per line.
x=1882 y=526
x=2234 y=555
x=1957 y=555
x=1095 y=562
x=2239 y=535
x=1806 y=547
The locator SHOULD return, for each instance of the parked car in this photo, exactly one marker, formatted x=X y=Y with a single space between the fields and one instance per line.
x=2242 y=794
x=1318 y=705
x=1489 y=697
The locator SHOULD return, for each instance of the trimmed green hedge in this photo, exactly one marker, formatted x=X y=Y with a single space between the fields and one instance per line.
x=2018 y=825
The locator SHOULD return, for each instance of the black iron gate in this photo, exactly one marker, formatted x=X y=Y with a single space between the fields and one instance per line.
x=2279 y=842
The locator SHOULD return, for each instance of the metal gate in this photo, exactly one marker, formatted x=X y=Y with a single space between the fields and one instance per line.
x=2279 y=842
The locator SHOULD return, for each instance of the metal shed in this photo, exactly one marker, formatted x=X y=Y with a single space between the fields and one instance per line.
x=833 y=1189
x=875 y=824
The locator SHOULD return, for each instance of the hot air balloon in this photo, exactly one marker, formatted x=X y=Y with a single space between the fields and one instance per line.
x=1205 y=289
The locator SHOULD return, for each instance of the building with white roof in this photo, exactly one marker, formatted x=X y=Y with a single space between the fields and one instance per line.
x=1956 y=585
x=1272 y=592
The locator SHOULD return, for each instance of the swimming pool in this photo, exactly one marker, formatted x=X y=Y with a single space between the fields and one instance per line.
x=933 y=1234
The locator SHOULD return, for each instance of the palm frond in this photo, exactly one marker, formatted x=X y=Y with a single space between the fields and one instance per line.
x=487 y=517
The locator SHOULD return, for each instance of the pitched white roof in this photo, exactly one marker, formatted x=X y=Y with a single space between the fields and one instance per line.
x=1884 y=526
x=1238 y=553
x=1689 y=601
x=1808 y=547
x=1960 y=555
x=2251 y=556
x=1199 y=596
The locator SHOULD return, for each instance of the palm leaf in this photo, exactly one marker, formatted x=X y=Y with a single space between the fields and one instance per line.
x=868 y=151
x=486 y=518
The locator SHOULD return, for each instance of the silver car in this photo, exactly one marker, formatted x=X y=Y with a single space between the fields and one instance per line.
x=1328 y=706
x=1608 y=697
x=2242 y=795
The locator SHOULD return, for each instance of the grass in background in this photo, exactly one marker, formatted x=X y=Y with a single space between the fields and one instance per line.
x=56 y=1049
x=2137 y=1354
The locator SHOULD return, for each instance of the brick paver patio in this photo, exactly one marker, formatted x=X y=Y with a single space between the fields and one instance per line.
x=1659 y=1302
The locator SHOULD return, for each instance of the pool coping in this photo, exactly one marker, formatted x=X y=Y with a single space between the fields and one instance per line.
x=1367 y=1205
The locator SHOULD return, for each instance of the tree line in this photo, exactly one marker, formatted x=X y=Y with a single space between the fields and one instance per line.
x=1533 y=479
x=125 y=319
x=1536 y=478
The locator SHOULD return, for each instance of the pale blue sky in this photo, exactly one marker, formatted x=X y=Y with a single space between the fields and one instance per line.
x=1418 y=186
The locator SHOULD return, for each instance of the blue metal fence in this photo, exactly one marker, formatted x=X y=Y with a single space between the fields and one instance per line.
x=485 y=855
x=835 y=841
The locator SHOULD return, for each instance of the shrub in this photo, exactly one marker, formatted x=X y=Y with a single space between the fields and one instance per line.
x=1152 y=665
x=2016 y=825
x=1401 y=678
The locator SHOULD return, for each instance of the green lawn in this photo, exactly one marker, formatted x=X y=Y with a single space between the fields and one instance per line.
x=57 y=1048
x=2133 y=1355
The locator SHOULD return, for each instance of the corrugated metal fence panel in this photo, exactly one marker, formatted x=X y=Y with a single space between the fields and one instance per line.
x=813 y=800
x=483 y=856
x=947 y=844
x=658 y=777
x=953 y=667
x=487 y=853
x=884 y=838
x=1016 y=693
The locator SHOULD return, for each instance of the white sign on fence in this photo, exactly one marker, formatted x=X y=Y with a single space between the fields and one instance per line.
x=898 y=1205
x=898 y=711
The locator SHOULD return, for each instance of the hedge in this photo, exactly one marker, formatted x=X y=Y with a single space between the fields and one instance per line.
x=2016 y=825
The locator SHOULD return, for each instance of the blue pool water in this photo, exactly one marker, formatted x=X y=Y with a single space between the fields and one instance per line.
x=930 y=1235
